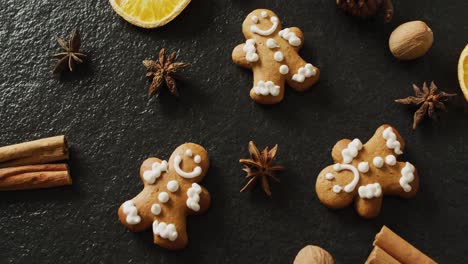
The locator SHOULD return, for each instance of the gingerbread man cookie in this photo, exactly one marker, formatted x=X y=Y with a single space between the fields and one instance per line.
x=272 y=54
x=171 y=192
x=363 y=173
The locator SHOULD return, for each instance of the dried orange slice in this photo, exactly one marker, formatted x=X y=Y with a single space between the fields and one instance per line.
x=463 y=71
x=148 y=13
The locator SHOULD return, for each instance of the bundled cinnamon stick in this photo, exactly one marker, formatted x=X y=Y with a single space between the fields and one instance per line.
x=21 y=164
x=34 y=177
x=34 y=152
x=392 y=249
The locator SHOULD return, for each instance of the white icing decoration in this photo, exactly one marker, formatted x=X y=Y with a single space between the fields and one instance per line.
x=197 y=159
x=392 y=142
x=173 y=186
x=193 y=197
x=250 y=51
x=188 y=153
x=284 y=69
x=166 y=231
x=370 y=191
x=278 y=56
x=130 y=210
x=157 y=168
x=329 y=176
x=264 y=14
x=363 y=167
x=407 y=176
x=156 y=209
x=378 y=162
x=188 y=175
x=265 y=88
x=163 y=197
x=390 y=160
x=337 y=188
x=266 y=32
x=352 y=185
x=271 y=43
x=255 y=19
x=304 y=72
x=290 y=36
x=351 y=151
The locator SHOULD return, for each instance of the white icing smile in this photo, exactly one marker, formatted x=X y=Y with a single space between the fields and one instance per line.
x=350 y=186
x=275 y=22
x=188 y=175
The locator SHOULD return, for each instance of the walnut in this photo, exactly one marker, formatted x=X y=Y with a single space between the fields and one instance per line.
x=313 y=255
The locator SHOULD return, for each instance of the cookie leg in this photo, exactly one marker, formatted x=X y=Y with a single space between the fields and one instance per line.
x=268 y=87
x=368 y=208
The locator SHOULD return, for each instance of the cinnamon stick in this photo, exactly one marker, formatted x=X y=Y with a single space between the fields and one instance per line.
x=34 y=177
x=399 y=248
x=379 y=256
x=34 y=152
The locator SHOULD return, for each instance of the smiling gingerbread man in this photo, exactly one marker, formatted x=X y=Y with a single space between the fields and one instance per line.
x=272 y=54
x=171 y=192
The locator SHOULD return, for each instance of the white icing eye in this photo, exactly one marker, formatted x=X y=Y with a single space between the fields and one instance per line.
x=284 y=69
x=173 y=186
x=255 y=19
x=390 y=160
x=188 y=152
x=197 y=159
x=163 y=197
x=156 y=209
x=378 y=162
x=329 y=176
x=363 y=167
x=264 y=14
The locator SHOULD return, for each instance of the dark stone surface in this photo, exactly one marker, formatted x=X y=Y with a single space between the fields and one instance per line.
x=112 y=127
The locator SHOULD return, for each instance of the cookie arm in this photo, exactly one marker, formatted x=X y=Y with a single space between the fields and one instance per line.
x=238 y=57
x=142 y=219
x=205 y=201
x=300 y=35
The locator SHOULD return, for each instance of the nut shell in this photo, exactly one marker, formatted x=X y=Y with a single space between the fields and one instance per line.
x=313 y=255
x=411 y=40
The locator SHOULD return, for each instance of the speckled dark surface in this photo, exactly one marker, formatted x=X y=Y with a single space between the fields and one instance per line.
x=112 y=127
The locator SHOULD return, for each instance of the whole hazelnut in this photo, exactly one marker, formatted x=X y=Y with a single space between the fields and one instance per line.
x=313 y=255
x=411 y=40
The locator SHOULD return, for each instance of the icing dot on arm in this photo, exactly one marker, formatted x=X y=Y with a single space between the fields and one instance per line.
x=131 y=212
x=407 y=176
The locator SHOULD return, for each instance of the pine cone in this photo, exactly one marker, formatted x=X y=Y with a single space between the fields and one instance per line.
x=367 y=8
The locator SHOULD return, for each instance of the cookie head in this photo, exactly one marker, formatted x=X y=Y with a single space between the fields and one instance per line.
x=261 y=22
x=190 y=162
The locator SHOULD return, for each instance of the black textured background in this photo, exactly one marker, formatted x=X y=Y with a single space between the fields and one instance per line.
x=112 y=127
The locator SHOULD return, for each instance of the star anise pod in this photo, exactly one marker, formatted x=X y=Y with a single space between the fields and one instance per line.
x=428 y=100
x=367 y=8
x=260 y=167
x=164 y=70
x=71 y=55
